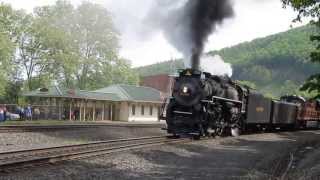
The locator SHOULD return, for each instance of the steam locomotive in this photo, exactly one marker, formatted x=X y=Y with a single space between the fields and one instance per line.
x=207 y=105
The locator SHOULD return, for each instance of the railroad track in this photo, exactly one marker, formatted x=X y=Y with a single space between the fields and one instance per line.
x=9 y=129
x=39 y=128
x=17 y=160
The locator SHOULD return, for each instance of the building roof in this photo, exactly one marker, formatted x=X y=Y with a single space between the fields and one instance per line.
x=55 y=91
x=111 y=93
x=133 y=93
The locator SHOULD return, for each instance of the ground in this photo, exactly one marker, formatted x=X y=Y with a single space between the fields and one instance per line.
x=28 y=140
x=66 y=122
x=258 y=156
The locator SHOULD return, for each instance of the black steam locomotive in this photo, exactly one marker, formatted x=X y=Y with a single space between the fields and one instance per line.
x=204 y=105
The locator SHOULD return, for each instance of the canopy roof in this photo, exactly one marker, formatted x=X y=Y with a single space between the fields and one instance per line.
x=133 y=93
x=111 y=93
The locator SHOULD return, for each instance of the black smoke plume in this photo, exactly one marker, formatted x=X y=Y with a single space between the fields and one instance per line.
x=187 y=24
x=205 y=15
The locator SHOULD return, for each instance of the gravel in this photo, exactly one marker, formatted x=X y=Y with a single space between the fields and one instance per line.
x=261 y=156
x=27 y=140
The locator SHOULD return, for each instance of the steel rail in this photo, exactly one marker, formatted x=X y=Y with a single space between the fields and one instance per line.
x=27 y=158
x=31 y=128
x=78 y=145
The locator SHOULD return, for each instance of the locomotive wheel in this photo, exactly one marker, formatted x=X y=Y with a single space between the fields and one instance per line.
x=219 y=132
x=222 y=132
x=235 y=132
x=176 y=136
x=196 y=137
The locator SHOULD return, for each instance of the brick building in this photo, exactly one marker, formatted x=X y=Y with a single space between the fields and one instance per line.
x=162 y=83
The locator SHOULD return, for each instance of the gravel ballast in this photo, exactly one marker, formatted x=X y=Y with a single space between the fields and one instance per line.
x=260 y=156
x=27 y=140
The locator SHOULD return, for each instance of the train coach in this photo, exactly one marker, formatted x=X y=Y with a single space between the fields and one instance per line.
x=207 y=105
x=308 y=114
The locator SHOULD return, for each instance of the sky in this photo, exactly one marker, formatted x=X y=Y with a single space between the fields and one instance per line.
x=143 y=46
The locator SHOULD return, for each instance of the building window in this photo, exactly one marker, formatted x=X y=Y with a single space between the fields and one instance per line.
x=133 y=109
x=142 y=110
x=151 y=109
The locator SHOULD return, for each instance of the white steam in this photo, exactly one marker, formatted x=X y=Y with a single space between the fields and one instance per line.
x=215 y=65
x=171 y=19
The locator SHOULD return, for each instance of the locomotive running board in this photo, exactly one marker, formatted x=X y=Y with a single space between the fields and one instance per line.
x=223 y=99
x=182 y=112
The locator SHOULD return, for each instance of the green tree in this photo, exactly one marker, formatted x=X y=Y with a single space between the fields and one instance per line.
x=82 y=41
x=97 y=41
x=309 y=8
x=248 y=84
x=55 y=27
x=32 y=52
x=5 y=51
x=13 y=92
x=289 y=87
x=258 y=74
x=7 y=32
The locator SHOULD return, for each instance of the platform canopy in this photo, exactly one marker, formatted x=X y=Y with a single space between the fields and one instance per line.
x=133 y=93
x=118 y=93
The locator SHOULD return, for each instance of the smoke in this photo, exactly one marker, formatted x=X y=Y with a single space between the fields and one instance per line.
x=187 y=24
x=215 y=65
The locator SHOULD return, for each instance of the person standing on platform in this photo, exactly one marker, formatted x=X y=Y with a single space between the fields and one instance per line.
x=21 y=113
x=37 y=113
x=28 y=112
x=4 y=113
x=1 y=114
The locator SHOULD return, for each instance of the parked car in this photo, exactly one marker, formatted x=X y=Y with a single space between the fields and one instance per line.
x=12 y=116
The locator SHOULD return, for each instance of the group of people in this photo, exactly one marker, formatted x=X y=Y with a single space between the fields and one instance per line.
x=22 y=113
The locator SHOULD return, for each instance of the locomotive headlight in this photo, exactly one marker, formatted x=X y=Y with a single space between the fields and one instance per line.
x=185 y=90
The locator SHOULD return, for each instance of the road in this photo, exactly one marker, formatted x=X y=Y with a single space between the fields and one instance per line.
x=286 y=155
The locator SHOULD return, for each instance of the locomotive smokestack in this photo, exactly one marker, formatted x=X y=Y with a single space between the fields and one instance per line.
x=205 y=15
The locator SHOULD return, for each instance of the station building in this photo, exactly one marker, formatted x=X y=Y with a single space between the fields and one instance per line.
x=114 y=103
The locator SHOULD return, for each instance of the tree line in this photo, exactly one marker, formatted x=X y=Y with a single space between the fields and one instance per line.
x=276 y=65
x=311 y=9
x=75 y=47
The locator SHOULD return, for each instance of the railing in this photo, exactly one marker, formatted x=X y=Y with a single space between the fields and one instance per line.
x=47 y=112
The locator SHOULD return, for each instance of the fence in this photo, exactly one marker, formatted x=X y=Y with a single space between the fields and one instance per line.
x=47 y=112
x=15 y=111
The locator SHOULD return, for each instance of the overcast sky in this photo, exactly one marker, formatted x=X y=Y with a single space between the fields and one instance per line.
x=253 y=19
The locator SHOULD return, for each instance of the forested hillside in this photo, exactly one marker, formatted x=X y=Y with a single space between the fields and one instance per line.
x=275 y=65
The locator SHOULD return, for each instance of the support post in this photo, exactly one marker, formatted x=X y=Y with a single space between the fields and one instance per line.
x=59 y=108
x=94 y=111
x=111 y=112
x=70 y=110
x=84 y=110
x=80 y=111
x=103 y=109
x=50 y=108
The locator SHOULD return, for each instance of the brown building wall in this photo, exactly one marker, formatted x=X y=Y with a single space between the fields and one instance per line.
x=162 y=82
